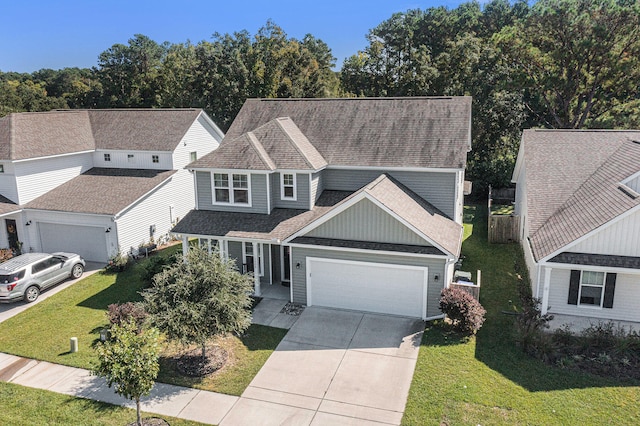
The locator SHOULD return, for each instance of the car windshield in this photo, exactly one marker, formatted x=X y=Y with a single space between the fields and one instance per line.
x=8 y=278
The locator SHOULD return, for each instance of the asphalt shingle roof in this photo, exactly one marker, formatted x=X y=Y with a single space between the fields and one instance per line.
x=39 y=134
x=278 y=225
x=8 y=206
x=101 y=191
x=374 y=132
x=604 y=260
x=573 y=183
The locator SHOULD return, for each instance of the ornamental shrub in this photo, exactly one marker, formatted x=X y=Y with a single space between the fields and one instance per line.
x=119 y=314
x=153 y=266
x=464 y=311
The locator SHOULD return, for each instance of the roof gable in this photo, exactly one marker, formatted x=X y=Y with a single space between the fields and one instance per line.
x=408 y=208
x=370 y=132
x=590 y=197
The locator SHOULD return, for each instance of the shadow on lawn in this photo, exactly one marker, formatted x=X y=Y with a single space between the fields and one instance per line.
x=502 y=265
x=125 y=288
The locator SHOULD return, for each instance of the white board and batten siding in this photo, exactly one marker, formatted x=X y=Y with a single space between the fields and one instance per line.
x=317 y=185
x=37 y=177
x=620 y=238
x=201 y=138
x=439 y=188
x=625 y=299
x=169 y=202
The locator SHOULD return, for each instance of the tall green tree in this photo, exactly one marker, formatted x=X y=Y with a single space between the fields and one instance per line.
x=578 y=60
x=130 y=73
x=199 y=297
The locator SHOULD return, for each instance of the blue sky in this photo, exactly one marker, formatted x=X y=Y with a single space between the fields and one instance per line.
x=55 y=34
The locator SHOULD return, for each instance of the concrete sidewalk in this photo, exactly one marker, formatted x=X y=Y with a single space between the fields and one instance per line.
x=167 y=400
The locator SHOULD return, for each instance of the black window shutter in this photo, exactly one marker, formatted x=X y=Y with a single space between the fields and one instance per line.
x=609 y=289
x=574 y=287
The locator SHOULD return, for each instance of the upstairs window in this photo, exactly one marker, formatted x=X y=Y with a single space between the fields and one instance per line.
x=131 y=158
x=1 y=168
x=193 y=156
x=155 y=158
x=107 y=157
x=231 y=188
x=288 y=189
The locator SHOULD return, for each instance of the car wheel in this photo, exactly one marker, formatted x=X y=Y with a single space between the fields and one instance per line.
x=31 y=294
x=77 y=270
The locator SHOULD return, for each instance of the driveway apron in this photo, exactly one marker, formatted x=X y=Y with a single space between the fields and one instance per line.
x=334 y=367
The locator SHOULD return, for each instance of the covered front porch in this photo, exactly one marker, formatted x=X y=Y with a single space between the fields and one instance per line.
x=268 y=261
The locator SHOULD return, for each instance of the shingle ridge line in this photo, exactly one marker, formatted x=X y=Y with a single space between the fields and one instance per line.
x=295 y=145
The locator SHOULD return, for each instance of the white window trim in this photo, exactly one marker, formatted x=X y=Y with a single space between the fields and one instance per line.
x=231 y=201
x=154 y=157
x=282 y=186
x=131 y=158
x=588 y=305
x=260 y=262
x=106 y=157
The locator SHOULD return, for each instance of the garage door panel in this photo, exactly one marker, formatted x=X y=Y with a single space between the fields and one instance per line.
x=390 y=289
x=88 y=241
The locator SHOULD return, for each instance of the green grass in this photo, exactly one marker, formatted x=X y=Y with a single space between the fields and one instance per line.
x=22 y=406
x=42 y=332
x=487 y=380
x=502 y=209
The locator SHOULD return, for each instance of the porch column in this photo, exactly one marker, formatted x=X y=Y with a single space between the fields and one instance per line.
x=221 y=249
x=545 y=290
x=185 y=246
x=209 y=245
x=256 y=267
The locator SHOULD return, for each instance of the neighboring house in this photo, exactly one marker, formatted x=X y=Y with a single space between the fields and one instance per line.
x=353 y=203
x=98 y=181
x=578 y=199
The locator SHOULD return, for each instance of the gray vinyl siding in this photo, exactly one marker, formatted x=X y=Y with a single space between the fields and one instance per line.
x=275 y=260
x=299 y=276
x=258 y=195
x=317 y=185
x=625 y=299
x=302 y=189
x=235 y=252
x=364 y=221
x=438 y=188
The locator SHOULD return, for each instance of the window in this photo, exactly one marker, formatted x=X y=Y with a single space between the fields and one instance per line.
x=288 y=189
x=107 y=157
x=193 y=156
x=1 y=168
x=155 y=158
x=591 y=288
x=221 y=188
x=131 y=158
x=231 y=188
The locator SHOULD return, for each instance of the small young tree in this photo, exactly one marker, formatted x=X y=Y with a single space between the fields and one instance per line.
x=199 y=297
x=129 y=361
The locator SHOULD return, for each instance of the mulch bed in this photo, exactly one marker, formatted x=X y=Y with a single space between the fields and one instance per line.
x=192 y=364
x=292 y=309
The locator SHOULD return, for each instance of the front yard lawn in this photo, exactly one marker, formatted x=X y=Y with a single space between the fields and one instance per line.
x=487 y=380
x=43 y=331
x=26 y=406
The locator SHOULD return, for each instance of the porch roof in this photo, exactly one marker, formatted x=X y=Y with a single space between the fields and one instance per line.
x=7 y=206
x=604 y=260
x=278 y=225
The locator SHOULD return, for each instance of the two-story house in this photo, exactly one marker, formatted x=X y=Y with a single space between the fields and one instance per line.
x=352 y=203
x=97 y=182
x=578 y=199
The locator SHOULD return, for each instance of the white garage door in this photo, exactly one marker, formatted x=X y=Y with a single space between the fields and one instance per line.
x=364 y=286
x=89 y=242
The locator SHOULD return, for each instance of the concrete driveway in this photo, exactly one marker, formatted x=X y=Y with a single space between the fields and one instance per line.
x=8 y=310
x=334 y=367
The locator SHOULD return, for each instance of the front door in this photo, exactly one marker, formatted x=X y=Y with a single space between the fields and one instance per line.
x=286 y=263
x=12 y=235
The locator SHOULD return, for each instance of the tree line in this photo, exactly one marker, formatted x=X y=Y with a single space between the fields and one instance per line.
x=553 y=64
